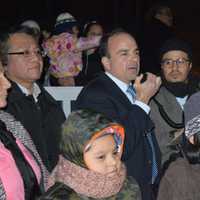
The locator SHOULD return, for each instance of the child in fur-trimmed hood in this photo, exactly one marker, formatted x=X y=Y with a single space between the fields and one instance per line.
x=90 y=164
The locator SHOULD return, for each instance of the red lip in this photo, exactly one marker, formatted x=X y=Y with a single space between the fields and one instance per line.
x=135 y=68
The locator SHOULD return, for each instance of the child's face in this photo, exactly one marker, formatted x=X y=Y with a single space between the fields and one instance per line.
x=75 y=30
x=103 y=156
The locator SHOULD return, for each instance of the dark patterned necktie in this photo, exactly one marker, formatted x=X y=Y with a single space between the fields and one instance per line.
x=154 y=166
x=131 y=90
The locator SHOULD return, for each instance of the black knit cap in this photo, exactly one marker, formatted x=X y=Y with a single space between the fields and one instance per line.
x=175 y=44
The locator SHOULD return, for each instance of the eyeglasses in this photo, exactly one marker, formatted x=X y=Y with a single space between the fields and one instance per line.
x=28 y=53
x=180 y=62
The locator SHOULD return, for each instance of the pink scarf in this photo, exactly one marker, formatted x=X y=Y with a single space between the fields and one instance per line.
x=10 y=175
x=87 y=182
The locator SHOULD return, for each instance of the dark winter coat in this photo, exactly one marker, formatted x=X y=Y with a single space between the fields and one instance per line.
x=59 y=191
x=42 y=120
x=180 y=182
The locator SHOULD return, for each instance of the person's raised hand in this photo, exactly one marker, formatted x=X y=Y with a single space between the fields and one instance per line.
x=147 y=89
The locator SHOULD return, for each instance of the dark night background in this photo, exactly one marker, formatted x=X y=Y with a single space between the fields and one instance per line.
x=125 y=13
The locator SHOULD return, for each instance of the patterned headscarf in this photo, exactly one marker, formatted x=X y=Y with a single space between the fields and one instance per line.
x=193 y=126
x=192 y=115
x=82 y=128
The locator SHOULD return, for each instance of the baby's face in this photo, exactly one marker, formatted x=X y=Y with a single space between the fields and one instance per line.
x=103 y=156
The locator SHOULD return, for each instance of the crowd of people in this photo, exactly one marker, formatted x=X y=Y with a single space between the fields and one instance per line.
x=131 y=135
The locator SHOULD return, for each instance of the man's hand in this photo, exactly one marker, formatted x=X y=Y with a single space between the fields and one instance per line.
x=147 y=89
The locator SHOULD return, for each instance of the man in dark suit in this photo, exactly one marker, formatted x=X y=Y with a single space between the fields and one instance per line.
x=108 y=94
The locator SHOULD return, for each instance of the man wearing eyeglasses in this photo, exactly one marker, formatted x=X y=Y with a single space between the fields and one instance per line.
x=28 y=101
x=177 y=85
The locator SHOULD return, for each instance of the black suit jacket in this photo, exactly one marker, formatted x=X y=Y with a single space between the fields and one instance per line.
x=104 y=96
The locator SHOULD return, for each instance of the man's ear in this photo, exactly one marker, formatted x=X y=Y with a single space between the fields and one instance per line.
x=106 y=63
x=5 y=67
x=190 y=66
